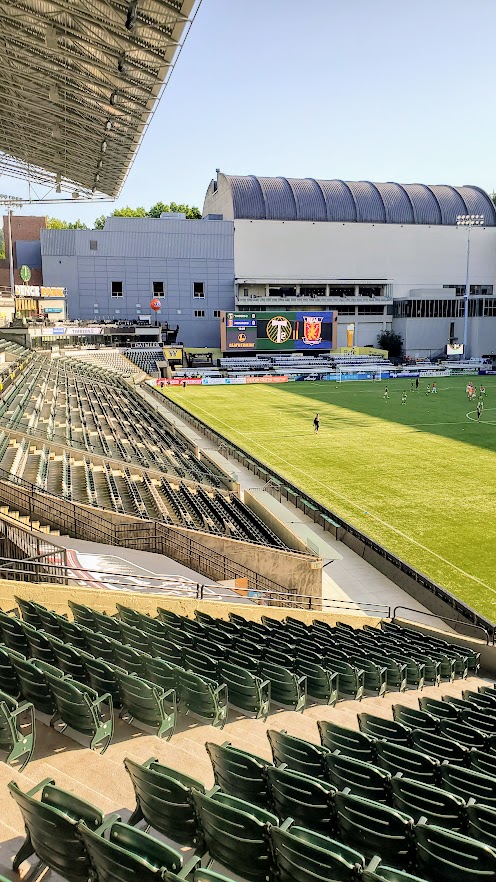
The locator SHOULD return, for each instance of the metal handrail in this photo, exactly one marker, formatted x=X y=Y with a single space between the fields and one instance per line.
x=289 y=598
x=444 y=619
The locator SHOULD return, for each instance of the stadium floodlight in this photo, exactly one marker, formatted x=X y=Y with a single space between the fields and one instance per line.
x=468 y=220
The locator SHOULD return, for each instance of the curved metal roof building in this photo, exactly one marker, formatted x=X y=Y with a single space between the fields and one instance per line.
x=309 y=199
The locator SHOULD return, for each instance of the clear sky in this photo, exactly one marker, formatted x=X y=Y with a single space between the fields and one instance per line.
x=389 y=90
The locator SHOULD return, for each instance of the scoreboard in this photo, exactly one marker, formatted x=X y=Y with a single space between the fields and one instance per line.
x=278 y=331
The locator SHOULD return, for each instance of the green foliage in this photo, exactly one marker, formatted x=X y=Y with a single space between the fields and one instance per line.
x=2 y=245
x=191 y=212
x=417 y=477
x=390 y=341
x=54 y=223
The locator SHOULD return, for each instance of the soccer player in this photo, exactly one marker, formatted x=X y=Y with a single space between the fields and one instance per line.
x=411 y=385
x=386 y=394
x=482 y=391
x=479 y=410
x=417 y=383
x=403 y=397
x=316 y=423
x=428 y=390
x=434 y=389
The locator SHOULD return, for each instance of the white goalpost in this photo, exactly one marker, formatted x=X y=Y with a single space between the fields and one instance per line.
x=350 y=373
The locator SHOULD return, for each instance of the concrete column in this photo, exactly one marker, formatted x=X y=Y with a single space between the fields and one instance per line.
x=357 y=290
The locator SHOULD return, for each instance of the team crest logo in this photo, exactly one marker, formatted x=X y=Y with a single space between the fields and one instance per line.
x=312 y=329
x=279 y=329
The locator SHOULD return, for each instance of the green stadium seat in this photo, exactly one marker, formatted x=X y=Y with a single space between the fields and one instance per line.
x=414 y=719
x=415 y=670
x=33 y=683
x=375 y=675
x=442 y=710
x=398 y=758
x=200 y=663
x=203 y=698
x=469 y=784
x=80 y=708
x=9 y=681
x=421 y=800
x=246 y=692
x=322 y=684
x=68 y=659
x=465 y=735
x=120 y=853
x=432 y=667
x=380 y=728
x=377 y=872
x=82 y=615
x=39 y=644
x=482 y=823
x=485 y=699
x=483 y=762
x=351 y=679
x=349 y=742
x=102 y=678
x=147 y=703
x=51 y=823
x=12 y=634
x=440 y=747
x=445 y=854
x=396 y=671
x=304 y=856
x=362 y=779
x=239 y=773
x=163 y=800
x=135 y=638
x=480 y=720
x=297 y=754
x=30 y=612
x=236 y=833
x=374 y=828
x=17 y=730
x=307 y=800
x=286 y=688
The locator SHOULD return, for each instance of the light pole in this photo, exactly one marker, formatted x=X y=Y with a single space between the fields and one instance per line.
x=469 y=221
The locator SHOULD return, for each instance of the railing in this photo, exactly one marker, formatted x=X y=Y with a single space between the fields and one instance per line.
x=325 y=517
x=487 y=637
x=70 y=572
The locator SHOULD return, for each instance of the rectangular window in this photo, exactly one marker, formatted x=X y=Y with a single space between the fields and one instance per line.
x=216 y=313
x=93 y=245
x=452 y=331
x=199 y=313
x=158 y=289
x=198 y=289
x=116 y=289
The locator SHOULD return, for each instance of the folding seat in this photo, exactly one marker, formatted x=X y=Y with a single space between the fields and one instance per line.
x=236 y=834
x=349 y=742
x=162 y=647
x=322 y=684
x=485 y=699
x=72 y=633
x=51 y=829
x=375 y=679
x=246 y=692
x=297 y=754
x=305 y=799
x=39 y=643
x=68 y=659
x=163 y=800
x=210 y=647
x=432 y=666
x=483 y=762
x=398 y=758
x=442 y=710
x=205 y=618
x=51 y=622
x=286 y=688
x=17 y=730
x=481 y=823
x=465 y=735
x=362 y=779
x=421 y=800
x=134 y=637
x=380 y=728
x=107 y=625
x=100 y=646
x=469 y=784
x=200 y=663
x=414 y=719
x=9 y=681
x=351 y=679
x=131 y=660
x=440 y=747
x=415 y=670
x=12 y=634
x=375 y=828
x=274 y=655
x=82 y=615
x=302 y=855
x=120 y=853
x=396 y=671
x=203 y=698
x=147 y=703
x=461 y=704
x=248 y=647
x=102 y=678
x=445 y=854
x=377 y=872
x=239 y=773
x=33 y=684
x=29 y=612
x=79 y=707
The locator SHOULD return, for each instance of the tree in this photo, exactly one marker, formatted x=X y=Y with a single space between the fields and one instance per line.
x=390 y=341
x=191 y=211
x=54 y=223
x=100 y=222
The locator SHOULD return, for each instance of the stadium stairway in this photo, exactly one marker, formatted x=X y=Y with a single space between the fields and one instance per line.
x=102 y=780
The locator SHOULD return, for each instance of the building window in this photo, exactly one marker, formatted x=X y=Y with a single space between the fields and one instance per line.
x=93 y=245
x=158 y=289
x=476 y=290
x=368 y=310
x=198 y=289
x=216 y=313
x=116 y=289
x=199 y=313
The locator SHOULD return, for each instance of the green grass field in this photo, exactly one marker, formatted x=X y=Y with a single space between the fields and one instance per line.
x=420 y=478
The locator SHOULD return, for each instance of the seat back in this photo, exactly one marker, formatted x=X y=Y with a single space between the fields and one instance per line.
x=147 y=703
x=440 y=747
x=305 y=856
x=51 y=827
x=351 y=680
x=469 y=784
x=237 y=834
x=322 y=684
x=419 y=799
x=163 y=799
x=414 y=719
x=347 y=741
x=203 y=698
x=239 y=773
x=12 y=634
x=375 y=828
x=9 y=681
x=444 y=854
x=380 y=728
x=29 y=612
x=305 y=799
x=286 y=688
x=39 y=643
x=412 y=763
x=125 y=854
x=82 y=615
x=246 y=691
x=17 y=730
x=33 y=683
x=482 y=824
x=363 y=779
x=297 y=754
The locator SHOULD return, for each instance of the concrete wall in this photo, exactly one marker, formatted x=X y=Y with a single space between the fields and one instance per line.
x=425 y=336
x=277 y=526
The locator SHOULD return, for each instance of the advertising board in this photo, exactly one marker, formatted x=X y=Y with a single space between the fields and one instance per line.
x=282 y=331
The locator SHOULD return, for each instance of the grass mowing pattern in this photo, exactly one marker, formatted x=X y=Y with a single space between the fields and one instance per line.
x=420 y=477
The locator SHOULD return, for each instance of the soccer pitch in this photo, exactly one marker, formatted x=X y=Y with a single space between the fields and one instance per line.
x=419 y=477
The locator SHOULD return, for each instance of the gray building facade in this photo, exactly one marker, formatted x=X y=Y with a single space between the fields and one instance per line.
x=115 y=273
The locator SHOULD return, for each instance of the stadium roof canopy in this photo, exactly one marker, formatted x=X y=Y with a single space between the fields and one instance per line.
x=308 y=199
x=80 y=80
